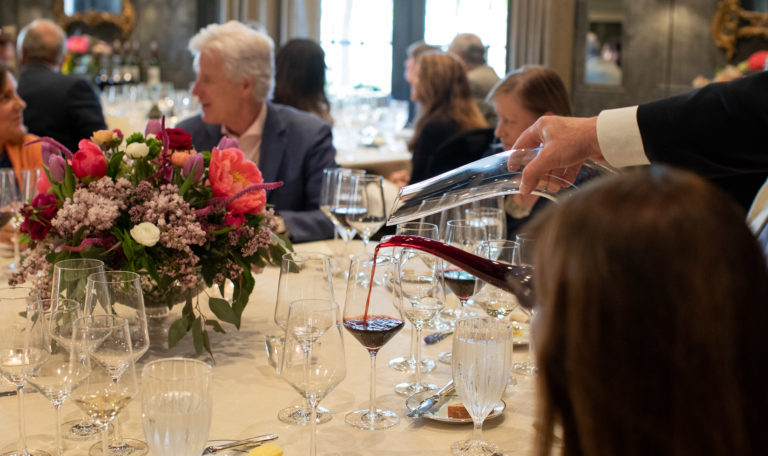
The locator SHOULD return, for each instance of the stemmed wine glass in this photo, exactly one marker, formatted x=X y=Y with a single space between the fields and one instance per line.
x=27 y=191
x=494 y=301
x=493 y=219
x=112 y=383
x=369 y=195
x=422 y=295
x=332 y=181
x=482 y=350
x=67 y=364
x=524 y=258
x=313 y=354
x=467 y=236
x=372 y=317
x=22 y=348
x=303 y=275
x=176 y=403
x=10 y=210
x=69 y=280
x=119 y=293
x=401 y=363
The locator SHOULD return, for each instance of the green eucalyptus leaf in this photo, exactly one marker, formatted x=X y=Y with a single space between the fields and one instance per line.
x=222 y=310
x=215 y=325
x=177 y=331
x=197 y=335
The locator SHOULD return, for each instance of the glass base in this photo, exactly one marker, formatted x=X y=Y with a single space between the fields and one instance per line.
x=299 y=415
x=409 y=388
x=29 y=452
x=408 y=365
x=445 y=357
x=475 y=448
x=362 y=419
x=438 y=323
x=131 y=447
x=79 y=430
x=525 y=368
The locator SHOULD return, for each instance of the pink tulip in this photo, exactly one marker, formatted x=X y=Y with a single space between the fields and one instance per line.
x=154 y=127
x=43 y=185
x=57 y=167
x=89 y=161
x=196 y=162
x=227 y=143
x=229 y=173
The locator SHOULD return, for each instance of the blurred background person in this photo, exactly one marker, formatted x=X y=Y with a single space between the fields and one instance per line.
x=649 y=340
x=471 y=51
x=413 y=52
x=519 y=100
x=8 y=50
x=13 y=136
x=598 y=69
x=300 y=77
x=442 y=88
x=234 y=79
x=64 y=107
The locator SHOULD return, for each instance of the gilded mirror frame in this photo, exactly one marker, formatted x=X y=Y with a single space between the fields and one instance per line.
x=125 y=21
x=731 y=22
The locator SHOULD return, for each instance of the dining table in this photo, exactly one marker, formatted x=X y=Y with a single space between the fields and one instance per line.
x=248 y=393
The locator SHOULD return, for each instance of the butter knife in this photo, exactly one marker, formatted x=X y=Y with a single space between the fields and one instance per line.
x=253 y=441
x=430 y=402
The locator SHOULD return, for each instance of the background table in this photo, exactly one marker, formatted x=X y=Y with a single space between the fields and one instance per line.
x=248 y=394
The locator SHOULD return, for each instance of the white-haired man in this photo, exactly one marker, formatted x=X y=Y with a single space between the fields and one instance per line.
x=471 y=51
x=234 y=68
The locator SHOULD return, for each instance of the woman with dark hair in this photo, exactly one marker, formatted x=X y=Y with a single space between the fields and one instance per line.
x=300 y=77
x=13 y=153
x=653 y=311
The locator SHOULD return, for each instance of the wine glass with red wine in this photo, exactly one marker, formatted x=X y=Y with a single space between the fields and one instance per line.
x=372 y=316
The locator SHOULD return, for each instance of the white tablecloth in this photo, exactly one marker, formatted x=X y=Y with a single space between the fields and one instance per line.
x=248 y=394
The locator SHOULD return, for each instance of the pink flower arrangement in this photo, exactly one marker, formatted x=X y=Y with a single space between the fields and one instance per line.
x=135 y=204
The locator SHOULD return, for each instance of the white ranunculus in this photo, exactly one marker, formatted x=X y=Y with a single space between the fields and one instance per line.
x=146 y=233
x=137 y=150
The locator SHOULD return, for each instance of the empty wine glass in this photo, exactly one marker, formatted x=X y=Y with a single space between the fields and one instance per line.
x=176 y=404
x=493 y=219
x=22 y=348
x=524 y=257
x=66 y=367
x=68 y=283
x=119 y=293
x=369 y=195
x=422 y=296
x=313 y=356
x=494 y=301
x=482 y=350
x=372 y=317
x=10 y=211
x=303 y=275
x=112 y=383
x=329 y=199
x=408 y=364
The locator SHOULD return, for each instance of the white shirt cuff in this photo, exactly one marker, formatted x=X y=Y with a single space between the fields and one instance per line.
x=619 y=137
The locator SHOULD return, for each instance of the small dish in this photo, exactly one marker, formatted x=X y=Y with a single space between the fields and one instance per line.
x=440 y=411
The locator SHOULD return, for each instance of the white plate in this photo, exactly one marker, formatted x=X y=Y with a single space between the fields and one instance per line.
x=441 y=414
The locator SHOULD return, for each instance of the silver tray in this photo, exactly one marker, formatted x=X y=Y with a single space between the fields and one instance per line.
x=440 y=411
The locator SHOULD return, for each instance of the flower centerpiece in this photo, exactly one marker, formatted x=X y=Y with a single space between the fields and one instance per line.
x=150 y=203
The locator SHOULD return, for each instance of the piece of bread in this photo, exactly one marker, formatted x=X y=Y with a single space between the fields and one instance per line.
x=266 y=450
x=458 y=411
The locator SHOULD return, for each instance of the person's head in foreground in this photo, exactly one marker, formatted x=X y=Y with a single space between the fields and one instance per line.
x=11 y=109
x=652 y=318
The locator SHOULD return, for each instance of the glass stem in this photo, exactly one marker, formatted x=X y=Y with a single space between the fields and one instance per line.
x=418 y=356
x=412 y=353
x=59 y=445
x=313 y=427
x=22 y=426
x=477 y=432
x=372 y=397
x=105 y=439
x=117 y=435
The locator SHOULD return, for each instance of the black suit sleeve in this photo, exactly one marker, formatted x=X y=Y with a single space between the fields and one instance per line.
x=84 y=105
x=718 y=131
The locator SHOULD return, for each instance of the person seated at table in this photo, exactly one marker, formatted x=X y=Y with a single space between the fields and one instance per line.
x=470 y=50
x=652 y=312
x=300 y=77
x=234 y=78
x=14 y=152
x=411 y=63
x=447 y=108
x=64 y=107
x=519 y=100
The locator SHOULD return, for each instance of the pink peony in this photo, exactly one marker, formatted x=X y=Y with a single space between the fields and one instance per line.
x=78 y=44
x=89 y=161
x=229 y=173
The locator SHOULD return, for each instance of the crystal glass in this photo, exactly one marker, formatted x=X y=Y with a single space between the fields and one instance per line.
x=371 y=315
x=119 y=293
x=494 y=301
x=23 y=348
x=112 y=383
x=303 y=275
x=176 y=402
x=10 y=211
x=330 y=200
x=68 y=282
x=524 y=257
x=66 y=367
x=482 y=352
x=313 y=356
x=493 y=219
x=422 y=295
x=408 y=364
x=369 y=196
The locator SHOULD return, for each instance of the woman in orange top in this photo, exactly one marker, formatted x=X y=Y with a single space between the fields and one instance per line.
x=13 y=152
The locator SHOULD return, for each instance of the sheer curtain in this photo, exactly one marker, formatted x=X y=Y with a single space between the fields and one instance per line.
x=282 y=19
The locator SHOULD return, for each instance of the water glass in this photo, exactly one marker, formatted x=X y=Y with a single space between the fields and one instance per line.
x=481 y=362
x=176 y=402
